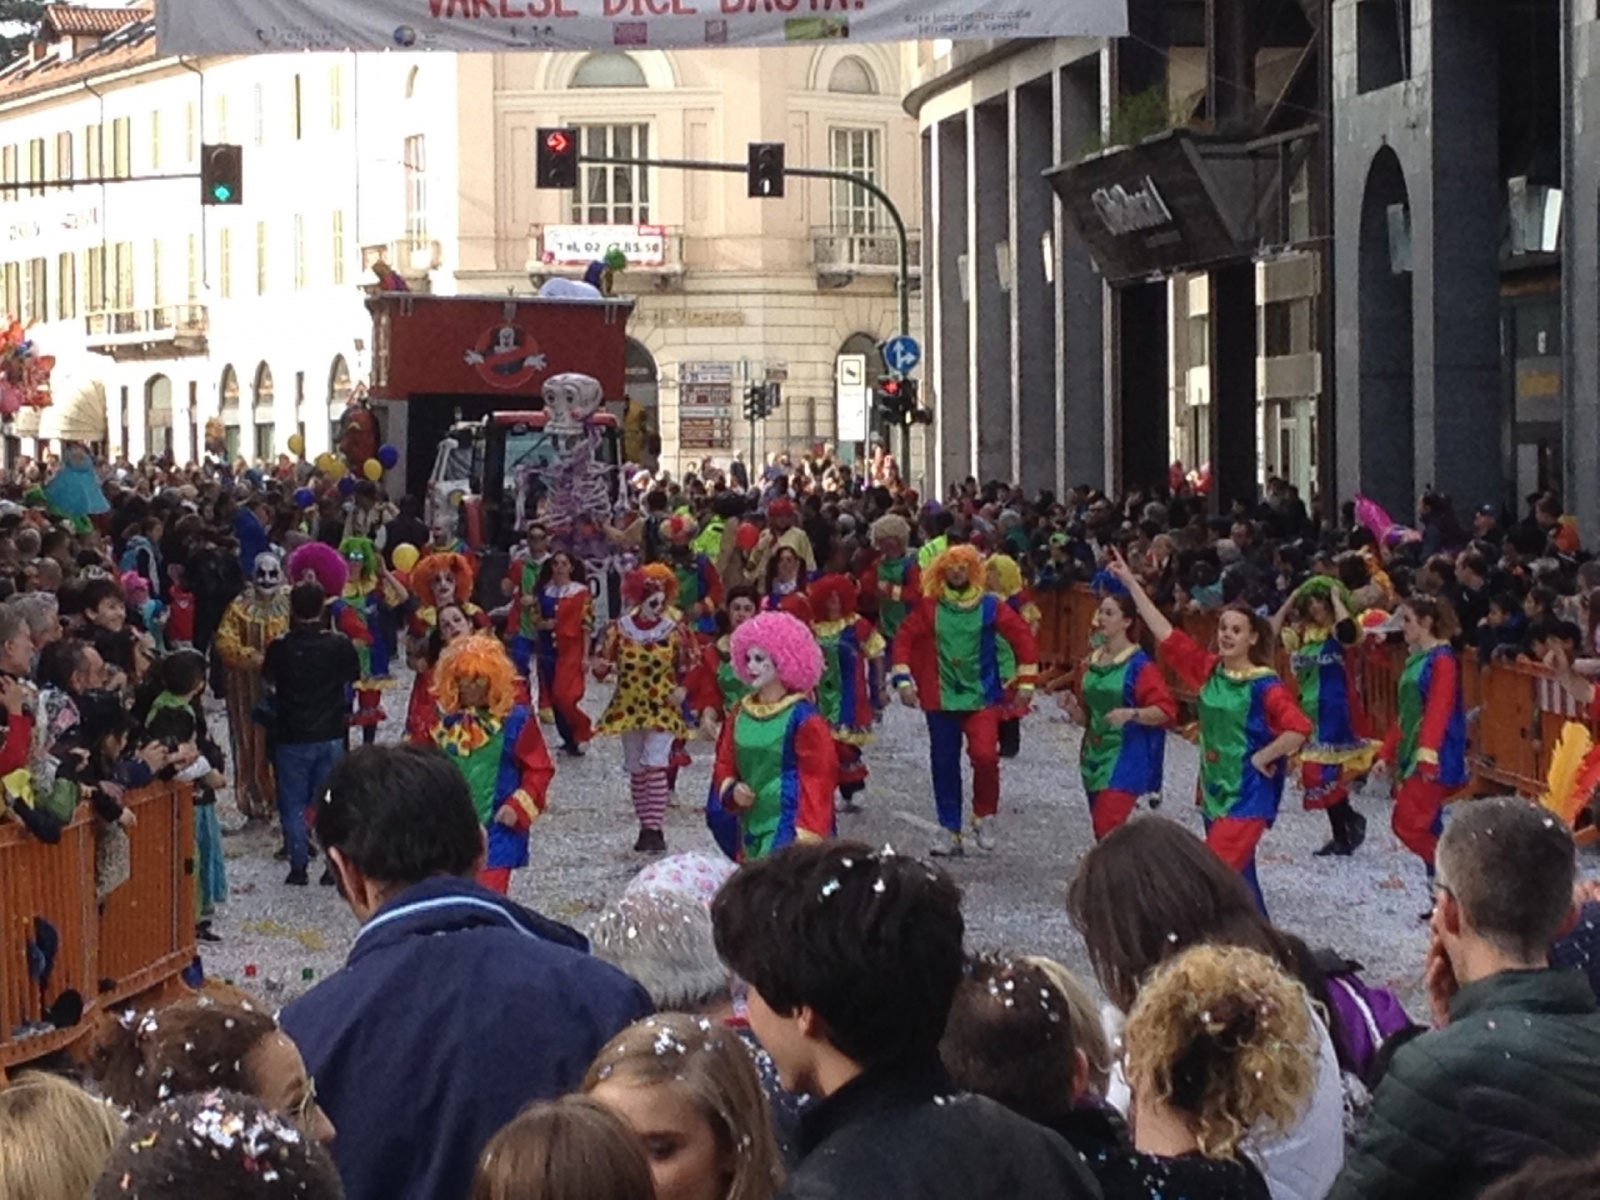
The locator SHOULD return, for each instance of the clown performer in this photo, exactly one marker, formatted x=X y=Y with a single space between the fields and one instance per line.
x=1004 y=578
x=438 y=580
x=775 y=768
x=422 y=709
x=699 y=585
x=321 y=564
x=253 y=619
x=357 y=614
x=651 y=653
x=852 y=656
x=714 y=686
x=1321 y=638
x=564 y=625
x=1250 y=725
x=1125 y=706
x=496 y=744
x=947 y=662
x=894 y=577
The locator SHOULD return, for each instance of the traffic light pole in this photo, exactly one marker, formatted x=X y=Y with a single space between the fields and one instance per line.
x=903 y=287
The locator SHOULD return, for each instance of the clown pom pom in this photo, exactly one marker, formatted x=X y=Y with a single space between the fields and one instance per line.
x=297 y=445
x=389 y=457
x=405 y=556
x=372 y=469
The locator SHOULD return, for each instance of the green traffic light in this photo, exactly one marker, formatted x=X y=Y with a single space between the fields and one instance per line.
x=222 y=193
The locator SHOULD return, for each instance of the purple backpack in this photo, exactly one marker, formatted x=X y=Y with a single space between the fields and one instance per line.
x=1365 y=1019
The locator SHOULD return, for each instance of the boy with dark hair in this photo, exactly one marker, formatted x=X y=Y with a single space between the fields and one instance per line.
x=456 y=1007
x=853 y=958
x=1512 y=1069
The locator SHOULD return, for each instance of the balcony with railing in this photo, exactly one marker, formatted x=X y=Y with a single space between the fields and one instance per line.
x=159 y=332
x=844 y=255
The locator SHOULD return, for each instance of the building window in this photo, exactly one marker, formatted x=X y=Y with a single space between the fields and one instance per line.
x=94 y=152
x=13 y=290
x=67 y=286
x=613 y=195
x=336 y=98
x=1383 y=43
x=122 y=147
x=609 y=70
x=194 y=268
x=36 y=166
x=1300 y=206
x=225 y=264
x=338 y=249
x=122 y=276
x=299 y=253
x=222 y=119
x=261 y=114
x=158 y=283
x=64 y=164
x=191 y=119
x=36 y=290
x=261 y=258
x=857 y=151
x=8 y=172
x=297 y=108
x=416 y=190
x=1288 y=327
x=852 y=77
x=96 y=297
x=155 y=141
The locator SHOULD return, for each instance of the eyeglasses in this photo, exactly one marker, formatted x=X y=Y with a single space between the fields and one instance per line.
x=305 y=1112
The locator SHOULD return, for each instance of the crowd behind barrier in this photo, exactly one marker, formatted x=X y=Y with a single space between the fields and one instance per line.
x=134 y=945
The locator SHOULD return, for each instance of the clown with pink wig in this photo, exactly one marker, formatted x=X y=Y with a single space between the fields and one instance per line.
x=651 y=651
x=776 y=772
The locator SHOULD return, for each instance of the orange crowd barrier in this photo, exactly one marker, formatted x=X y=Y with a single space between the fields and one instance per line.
x=135 y=945
x=1518 y=709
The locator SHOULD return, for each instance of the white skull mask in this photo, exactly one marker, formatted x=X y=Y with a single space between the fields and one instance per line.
x=269 y=573
x=570 y=398
x=759 y=667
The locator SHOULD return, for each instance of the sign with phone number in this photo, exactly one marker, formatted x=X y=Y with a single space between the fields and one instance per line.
x=580 y=245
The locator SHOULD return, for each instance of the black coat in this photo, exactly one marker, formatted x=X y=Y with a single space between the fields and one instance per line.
x=908 y=1134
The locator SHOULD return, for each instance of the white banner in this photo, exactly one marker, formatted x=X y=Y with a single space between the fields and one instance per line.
x=256 y=26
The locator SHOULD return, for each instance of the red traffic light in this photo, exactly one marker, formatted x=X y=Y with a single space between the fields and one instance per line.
x=558 y=141
x=890 y=387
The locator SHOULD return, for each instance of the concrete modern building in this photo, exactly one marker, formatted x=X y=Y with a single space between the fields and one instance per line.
x=164 y=314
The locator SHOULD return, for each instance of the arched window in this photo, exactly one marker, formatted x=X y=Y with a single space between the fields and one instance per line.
x=853 y=77
x=265 y=446
x=608 y=70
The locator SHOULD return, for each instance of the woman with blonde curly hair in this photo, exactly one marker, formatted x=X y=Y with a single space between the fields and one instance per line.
x=55 y=1138
x=1220 y=1048
x=498 y=747
x=689 y=1090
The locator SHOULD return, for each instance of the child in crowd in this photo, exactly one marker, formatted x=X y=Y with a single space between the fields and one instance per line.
x=180 y=609
x=55 y=1138
x=149 y=612
x=567 y=1149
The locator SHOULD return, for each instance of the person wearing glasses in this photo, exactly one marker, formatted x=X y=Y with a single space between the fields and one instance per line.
x=200 y=1044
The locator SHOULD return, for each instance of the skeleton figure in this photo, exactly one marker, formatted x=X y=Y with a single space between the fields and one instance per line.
x=579 y=498
x=260 y=614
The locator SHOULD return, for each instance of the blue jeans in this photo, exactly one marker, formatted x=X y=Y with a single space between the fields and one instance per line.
x=301 y=767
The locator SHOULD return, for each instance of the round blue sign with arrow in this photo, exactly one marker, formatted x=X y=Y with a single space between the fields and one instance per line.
x=901 y=354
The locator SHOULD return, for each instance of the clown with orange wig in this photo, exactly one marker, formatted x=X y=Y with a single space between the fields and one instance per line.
x=775 y=772
x=652 y=653
x=439 y=580
x=852 y=654
x=947 y=661
x=496 y=744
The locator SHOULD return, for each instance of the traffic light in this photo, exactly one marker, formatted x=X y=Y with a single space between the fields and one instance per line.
x=221 y=175
x=765 y=170
x=752 y=402
x=556 y=161
x=889 y=396
x=911 y=410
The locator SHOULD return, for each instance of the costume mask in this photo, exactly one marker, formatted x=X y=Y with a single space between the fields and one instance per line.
x=444 y=589
x=760 y=667
x=269 y=573
x=444 y=530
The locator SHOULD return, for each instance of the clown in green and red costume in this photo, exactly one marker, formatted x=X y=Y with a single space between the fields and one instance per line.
x=852 y=657
x=775 y=774
x=357 y=614
x=699 y=584
x=1250 y=725
x=947 y=662
x=893 y=582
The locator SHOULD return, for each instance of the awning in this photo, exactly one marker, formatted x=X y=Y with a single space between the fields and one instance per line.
x=77 y=411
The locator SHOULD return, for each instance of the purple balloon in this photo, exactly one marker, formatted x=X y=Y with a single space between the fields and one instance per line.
x=304 y=497
x=347 y=485
x=388 y=456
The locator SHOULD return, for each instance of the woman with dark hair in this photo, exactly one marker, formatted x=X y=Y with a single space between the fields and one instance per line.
x=1151 y=890
x=785 y=577
x=1250 y=725
x=1125 y=706
x=450 y=624
x=1427 y=747
x=564 y=623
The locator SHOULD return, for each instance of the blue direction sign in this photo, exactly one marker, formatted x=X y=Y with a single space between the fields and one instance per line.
x=901 y=354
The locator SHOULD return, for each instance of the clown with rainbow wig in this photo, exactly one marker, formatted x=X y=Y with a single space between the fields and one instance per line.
x=775 y=773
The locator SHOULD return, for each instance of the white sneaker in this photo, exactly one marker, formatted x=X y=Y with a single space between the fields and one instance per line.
x=951 y=847
x=983 y=831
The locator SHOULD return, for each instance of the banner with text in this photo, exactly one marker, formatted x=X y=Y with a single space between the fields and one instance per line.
x=256 y=26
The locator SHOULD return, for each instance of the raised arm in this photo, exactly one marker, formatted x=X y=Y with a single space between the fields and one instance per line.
x=1155 y=620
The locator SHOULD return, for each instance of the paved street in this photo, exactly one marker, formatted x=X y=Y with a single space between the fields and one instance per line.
x=1365 y=907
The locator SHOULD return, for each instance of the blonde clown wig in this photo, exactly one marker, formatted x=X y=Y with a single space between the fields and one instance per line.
x=476 y=657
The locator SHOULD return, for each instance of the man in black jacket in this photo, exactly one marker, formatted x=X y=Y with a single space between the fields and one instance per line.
x=853 y=958
x=311 y=670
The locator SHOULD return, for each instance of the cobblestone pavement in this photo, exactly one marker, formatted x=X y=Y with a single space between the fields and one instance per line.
x=278 y=940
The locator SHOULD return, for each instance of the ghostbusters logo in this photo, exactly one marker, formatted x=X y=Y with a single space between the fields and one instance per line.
x=506 y=356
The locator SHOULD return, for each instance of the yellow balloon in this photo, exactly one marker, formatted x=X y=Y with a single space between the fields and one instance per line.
x=297 y=444
x=405 y=556
x=372 y=469
x=334 y=468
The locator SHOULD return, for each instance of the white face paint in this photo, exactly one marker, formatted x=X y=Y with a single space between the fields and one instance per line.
x=653 y=604
x=759 y=667
x=269 y=573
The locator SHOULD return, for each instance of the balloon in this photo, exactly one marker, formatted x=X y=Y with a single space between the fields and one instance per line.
x=372 y=469
x=389 y=457
x=335 y=468
x=304 y=498
x=747 y=537
x=297 y=444
x=405 y=556
x=347 y=484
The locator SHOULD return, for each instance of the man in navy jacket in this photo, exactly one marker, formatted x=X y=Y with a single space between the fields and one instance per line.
x=456 y=1007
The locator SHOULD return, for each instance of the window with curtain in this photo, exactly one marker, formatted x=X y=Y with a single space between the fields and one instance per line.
x=67 y=286
x=613 y=195
x=416 y=168
x=853 y=211
x=225 y=264
x=338 y=249
x=36 y=290
x=608 y=70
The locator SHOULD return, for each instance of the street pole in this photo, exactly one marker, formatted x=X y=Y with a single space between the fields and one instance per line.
x=903 y=283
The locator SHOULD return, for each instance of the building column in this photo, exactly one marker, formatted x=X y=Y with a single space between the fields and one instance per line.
x=947 y=204
x=1034 y=450
x=989 y=188
x=1140 y=350
x=1081 y=300
x=1580 y=281
x=1233 y=384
